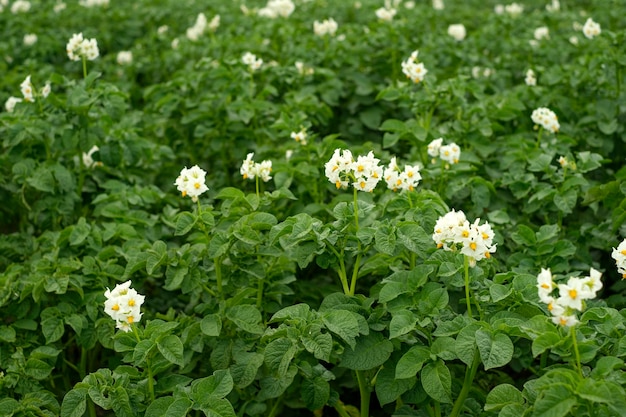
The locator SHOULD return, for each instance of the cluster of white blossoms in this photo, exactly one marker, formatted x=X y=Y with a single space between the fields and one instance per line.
x=325 y=27
x=541 y=33
x=124 y=57
x=252 y=61
x=20 y=6
x=478 y=72
x=512 y=9
x=403 y=180
x=30 y=39
x=77 y=48
x=276 y=8
x=619 y=254
x=454 y=232
x=554 y=6
x=88 y=160
x=386 y=13
x=414 y=70
x=457 y=31
x=304 y=69
x=571 y=295
x=123 y=305
x=250 y=169
x=438 y=5
x=93 y=3
x=530 y=78
x=191 y=182
x=28 y=92
x=300 y=137
x=546 y=118
x=364 y=173
x=450 y=153
x=201 y=25
x=591 y=29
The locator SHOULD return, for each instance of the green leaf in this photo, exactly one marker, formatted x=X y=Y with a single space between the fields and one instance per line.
x=465 y=344
x=343 y=324
x=158 y=407
x=218 y=385
x=185 y=221
x=320 y=345
x=246 y=317
x=80 y=232
x=499 y=292
x=172 y=349
x=385 y=240
x=52 y=329
x=157 y=256
x=315 y=392
x=544 y=342
x=278 y=355
x=178 y=408
x=496 y=349
x=121 y=402
x=388 y=388
x=211 y=325
x=218 y=407
x=412 y=361
x=245 y=369
x=7 y=334
x=597 y=391
x=370 y=351
x=393 y=125
x=74 y=403
x=503 y=395
x=524 y=235
x=402 y=322
x=437 y=381
x=37 y=369
x=557 y=401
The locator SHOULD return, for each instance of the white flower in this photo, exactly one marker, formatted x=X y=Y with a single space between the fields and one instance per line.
x=30 y=39
x=303 y=69
x=385 y=14
x=194 y=32
x=591 y=29
x=541 y=33
x=457 y=31
x=366 y=172
x=124 y=57
x=288 y=154
x=251 y=61
x=338 y=167
x=175 y=43
x=619 y=254
x=59 y=7
x=530 y=78
x=405 y=180
x=410 y=5
x=214 y=23
x=573 y=293
x=412 y=69
x=450 y=153
x=161 y=30
x=326 y=27
x=9 y=105
x=438 y=4
x=78 y=47
x=123 y=304
x=546 y=118
x=498 y=9
x=573 y=40
x=545 y=285
x=275 y=8
x=453 y=232
x=191 y=182
x=555 y=6
x=300 y=136
x=434 y=146
x=45 y=91
x=565 y=321
x=250 y=169
x=93 y=3
x=20 y=6
x=88 y=158
x=27 y=89
x=514 y=9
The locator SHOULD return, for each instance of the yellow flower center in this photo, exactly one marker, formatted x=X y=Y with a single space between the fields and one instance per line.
x=184 y=193
x=623 y=252
x=563 y=321
x=550 y=306
x=465 y=233
x=131 y=302
x=130 y=319
x=440 y=245
x=245 y=176
x=116 y=307
x=360 y=168
x=338 y=184
x=487 y=255
x=472 y=246
x=545 y=286
x=485 y=235
x=196 y=185
x=573 y=293
x=410 y=174
x=362 y=185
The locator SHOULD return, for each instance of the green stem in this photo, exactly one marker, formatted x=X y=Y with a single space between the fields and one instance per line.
x=470 y=373
x=341 y=410
x=71 y=365
x=618 y=76
x=257 y=186
x=92 y=408
x=84 y=67
x=343 y=276
x=539 y=136
x=275 y=407
x=83 y=363
x=208 y=290
x=355 y=270
x=365 y=394
x=576 y=352
x=468 y=300
x=356 y=210
x=437 y=408
x=543 y=360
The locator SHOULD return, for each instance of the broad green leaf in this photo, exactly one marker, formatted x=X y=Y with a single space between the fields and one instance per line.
x=315 y=392
x=158 y=407
x=385 y=240
x=80 y=232
x=245 y=370
x=402 y=322
x=370 y=352
x=218 y=385
x=557 y=401
x=496 y=349
x=501 y=396
x=437 y=381
x=52 y=329
x=218 y=407
x=172 y=349
x=121 y=402
x=465 y=344
x=211 y=325
x=343 y=324
x=37 y=369
x=74 y=403
x=412 y=361
x=598 y=391
x=7 y=334
x=388 y=388
x=185 y=221
x=320 y=345
x=247 y=317
x=300 y=311
x=157 y=256
x=544 y=342
x=278 y=355
x=178 y=408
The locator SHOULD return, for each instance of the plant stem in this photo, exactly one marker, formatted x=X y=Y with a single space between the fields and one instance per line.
x=365 y=394
x=576 y=352
x=84 y=67
x=470 y=373
x=437 y=408
x=341 y=410
x=257 y=186
x=468 y=300
x=343 y=276
x=83 y=363
x=539 y=137
x=275 y=407
x=355 y=270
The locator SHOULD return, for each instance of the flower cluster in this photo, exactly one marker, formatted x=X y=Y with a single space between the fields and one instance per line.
x=303 y=69
x=541 y=33
x=571 y=295
x=386 y=13
x=619 y=254
x=300 y=137
x=403 y=180
x=28 y=92
x=30 y=39
x=123 y=305
x=77 y=48
x=88 y=160
x=275 y=8
x=326 y=27
x=457 y=31
x=20 y=6
x=124 y=57
x=412 y=69
x=191 y=182
x=250 y=169
x=364 y=173
x=454 y=232
x=591 y=29
x=93 y=3
x=450 y=153
x=252 y=61
x=530 y=78
x=545 y=118
x=512 y=9
x=438 y=5
x=201 y=25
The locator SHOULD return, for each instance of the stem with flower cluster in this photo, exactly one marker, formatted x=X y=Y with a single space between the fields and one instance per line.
x=576 y=352
x=355 y=270
x=84 y=66
x=468 y=301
